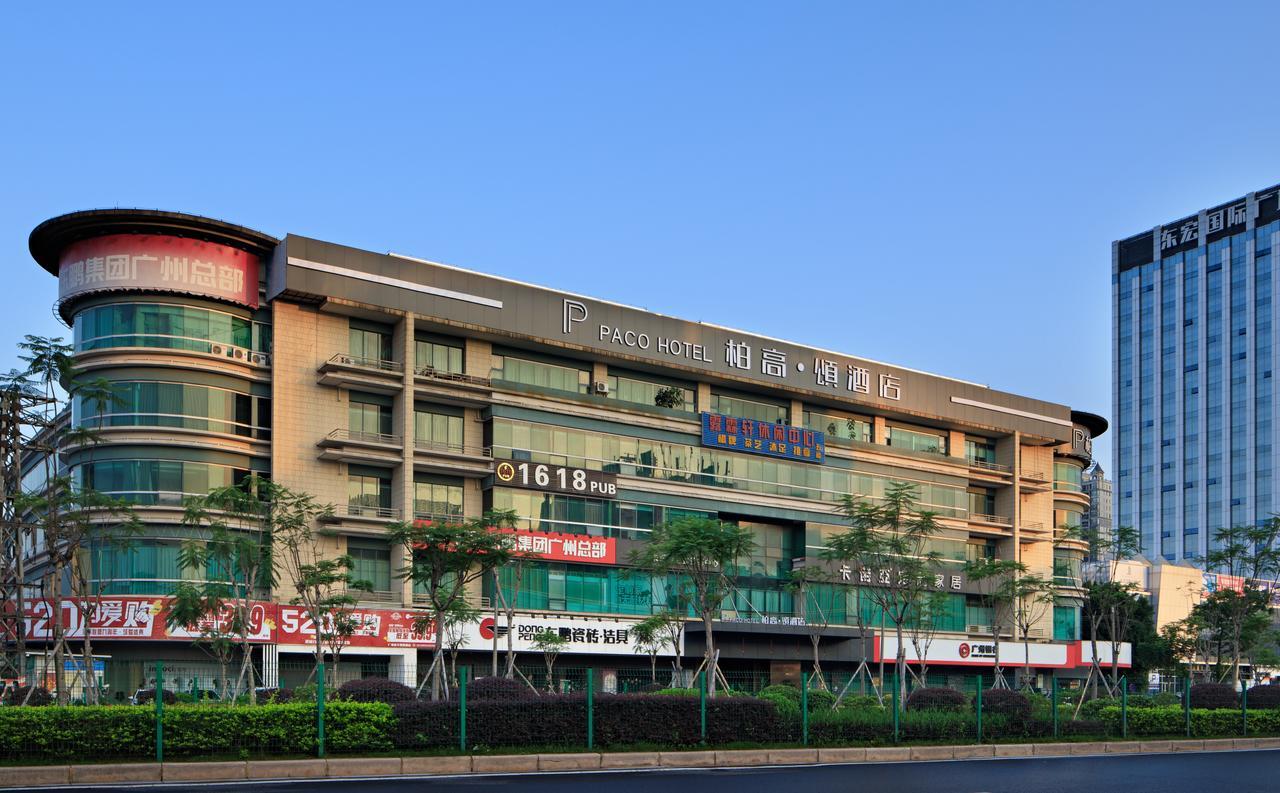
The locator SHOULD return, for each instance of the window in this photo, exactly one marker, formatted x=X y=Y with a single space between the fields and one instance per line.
x=1066 y=622
x=182 y=405
x=982 y=501
x=369 y=344
x=980 y=450
x=1066 y=568
x=435 y=428
x=371 y=562
x=918 y=440
x=636 y=391
x=436 y=496
x=368 y=415
x=773 y=551
x=166 y=326
x=1068 y=476
x=368 y=491
x=849 y=428
x=548 y=586
x=750 y=409
x=438 y=356
x=157 y=481
x=550 y=376
x=595 y=517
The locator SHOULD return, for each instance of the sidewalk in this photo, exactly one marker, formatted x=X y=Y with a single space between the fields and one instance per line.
x=128 y=773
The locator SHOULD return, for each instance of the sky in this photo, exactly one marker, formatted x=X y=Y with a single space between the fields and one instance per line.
x=934 y=185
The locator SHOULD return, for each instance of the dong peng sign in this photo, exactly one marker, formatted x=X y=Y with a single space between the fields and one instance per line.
x=761 y=437
x=158 y=262
x=557 y=479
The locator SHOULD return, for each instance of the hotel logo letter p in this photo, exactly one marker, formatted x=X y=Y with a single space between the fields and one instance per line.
x=573 y=312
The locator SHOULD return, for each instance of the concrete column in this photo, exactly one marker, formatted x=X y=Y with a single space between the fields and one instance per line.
x=402 y=667
x=880 y=430
x=704 y=397
x=402 y=485
x=797 y=412
x=955 y=444
x=477 y=358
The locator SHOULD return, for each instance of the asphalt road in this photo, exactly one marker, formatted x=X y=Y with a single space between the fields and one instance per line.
x=1193 y=772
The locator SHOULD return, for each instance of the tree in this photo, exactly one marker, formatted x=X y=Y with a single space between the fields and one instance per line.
x=651 y=637
x=549 y=643
x=669 y=397
x=924 y=629
x=703 y=553
x=995 y=581
x=1031 y=598
x=507 y=599
x=1108 y=601
x=236 y=564
x=444 y=560
x=853 y=549
x=1250 y=554
x=321 y=585
x=892 y=537
x=811 y=586
x=456 y=620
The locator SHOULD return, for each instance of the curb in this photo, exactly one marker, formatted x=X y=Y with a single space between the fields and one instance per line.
x=240 y=770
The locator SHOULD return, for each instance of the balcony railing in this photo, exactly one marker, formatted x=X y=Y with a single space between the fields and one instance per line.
x=986 y=466
x=364 y=511
x=1037 y=476
x=375 y=596
x=357 y=436
x=450 y=377
x=438 y=517
x=452 y=448
x=346 y=359
x=1032 y=525
x=979 y=517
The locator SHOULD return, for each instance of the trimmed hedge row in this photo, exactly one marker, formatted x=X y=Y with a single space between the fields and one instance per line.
x=620 y=720
x=122 y=731
x=1205 y=723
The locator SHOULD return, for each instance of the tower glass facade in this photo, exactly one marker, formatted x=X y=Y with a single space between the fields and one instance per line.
x=1193 y=368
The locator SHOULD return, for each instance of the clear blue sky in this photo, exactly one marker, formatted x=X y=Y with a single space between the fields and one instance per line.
x=896 y=175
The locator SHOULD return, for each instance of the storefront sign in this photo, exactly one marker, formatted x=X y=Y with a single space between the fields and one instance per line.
x=557 y=479
x=557 y=547
x=761 y=437
x=584 y=636
x=145 y=618
x=982 y=652
x=160 y=262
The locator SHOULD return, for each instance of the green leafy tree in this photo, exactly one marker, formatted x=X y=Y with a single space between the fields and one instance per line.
x=550 y=644
x=854 y=550
x=812 y=588
x=456 y=620
x=703 y=553
x=669 y=397
x=445 y=558
x=651 y=636
x=324 y=586
x=1031 y=601
x=1251 y=554
x=232 y=566
x=893 y=537
x=1109 y=603
x=996 y=582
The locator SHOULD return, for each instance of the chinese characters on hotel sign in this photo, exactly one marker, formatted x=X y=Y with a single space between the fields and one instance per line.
x=152 y=261
x=761 y=437
x=557 y=547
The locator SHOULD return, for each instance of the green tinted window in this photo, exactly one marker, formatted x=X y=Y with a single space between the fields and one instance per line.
x=437 y=430
x=540 y=374
x=750 y=409
x=438 y=356
x=195 y=407
x=166 y=326
x=157 y=481
x=841 y=427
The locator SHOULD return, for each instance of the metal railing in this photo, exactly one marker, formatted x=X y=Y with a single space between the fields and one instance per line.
x=1032 y=525
x=450 y=377
x=438 y=517
x=452 y=448
x=375 y=596
x=363 y=511
x=346 y=359
x=979 y=517
x=1038 y=476
x=986 y=466
x=359 y=436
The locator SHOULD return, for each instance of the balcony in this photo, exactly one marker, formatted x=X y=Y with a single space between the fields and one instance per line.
x=362 y=519
x=1034 y=531
x=375 y=596
x=364 y=448
x=437 y=517
x=986 y=467
x=451 y=387
x=364 y=374
x=1036 y=481
x=997 y=520
x=452 y=458
x=985 y=631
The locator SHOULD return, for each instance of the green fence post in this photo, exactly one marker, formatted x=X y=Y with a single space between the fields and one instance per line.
x=1244 y=708
x=1055 y=706
x=320 y=696
x=591 y=702
x=702 y=702
x=978 y=707
x=897 y=726
x=159 y=691
x=1124 y=707
x=462 y=708
x=1186 y=705
x=804 y=710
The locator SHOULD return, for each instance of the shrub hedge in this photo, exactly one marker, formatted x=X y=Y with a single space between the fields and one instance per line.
x=499 y=688
x=937 y=698
x=1011 y=704
x=39 y=696
x=620 y=719
x=1205 y=723
x=121 y=731
x=376 y=689
x=1214 y=695
x=1264 y=697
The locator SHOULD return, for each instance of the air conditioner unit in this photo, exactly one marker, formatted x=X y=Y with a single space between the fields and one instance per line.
x=217 y=349
x=237 y=353
x=259 y=359
x=602 y=387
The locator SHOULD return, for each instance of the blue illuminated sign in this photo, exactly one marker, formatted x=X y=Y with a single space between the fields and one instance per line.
x=761 y=437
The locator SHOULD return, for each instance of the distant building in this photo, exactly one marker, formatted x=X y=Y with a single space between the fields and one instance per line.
x=1096 y=521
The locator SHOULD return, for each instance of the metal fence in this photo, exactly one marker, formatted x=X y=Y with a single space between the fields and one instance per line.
x=183 y=710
